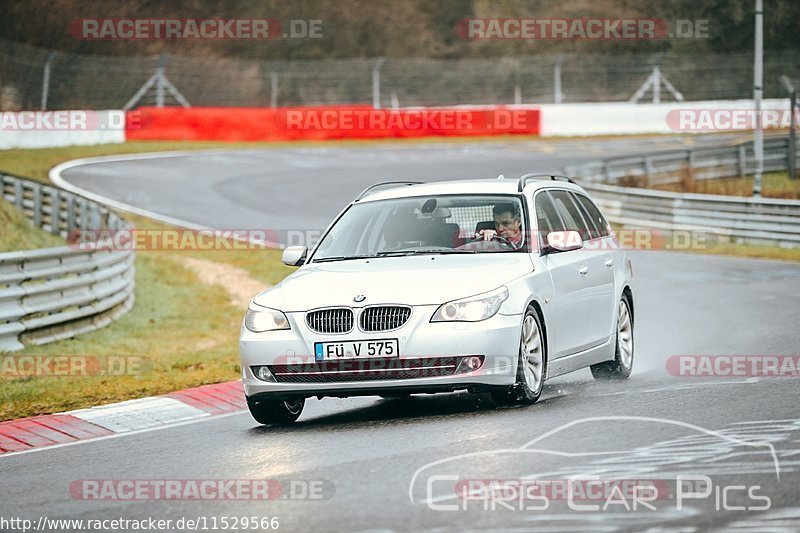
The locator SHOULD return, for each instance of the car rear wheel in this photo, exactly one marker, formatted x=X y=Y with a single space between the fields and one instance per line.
x=276 y=411
x=531 y=365
x=621 y=366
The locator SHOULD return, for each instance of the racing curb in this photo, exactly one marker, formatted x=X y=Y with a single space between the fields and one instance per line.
x=103 y=421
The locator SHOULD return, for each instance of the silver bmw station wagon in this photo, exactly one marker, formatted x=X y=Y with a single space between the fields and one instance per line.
x=491 y=286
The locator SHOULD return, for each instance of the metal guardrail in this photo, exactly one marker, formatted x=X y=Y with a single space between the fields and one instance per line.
x=56 y=293
x=674 y=165
x=740 y=219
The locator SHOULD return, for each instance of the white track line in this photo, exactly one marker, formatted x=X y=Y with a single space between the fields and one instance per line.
x=57 y=179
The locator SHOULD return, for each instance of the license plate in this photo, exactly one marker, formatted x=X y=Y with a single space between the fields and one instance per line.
x=326 y=351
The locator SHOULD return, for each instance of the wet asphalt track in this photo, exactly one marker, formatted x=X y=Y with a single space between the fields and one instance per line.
x=373 y=456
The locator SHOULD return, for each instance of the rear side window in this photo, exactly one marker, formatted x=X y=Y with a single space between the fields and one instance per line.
x=595 y=214
x=547 y=218
x=570 y=213
x=593 y=231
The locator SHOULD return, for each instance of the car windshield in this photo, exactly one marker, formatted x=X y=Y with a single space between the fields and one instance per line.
x=448 y=224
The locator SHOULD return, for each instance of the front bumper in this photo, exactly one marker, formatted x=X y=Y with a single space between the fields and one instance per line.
x=496 y=339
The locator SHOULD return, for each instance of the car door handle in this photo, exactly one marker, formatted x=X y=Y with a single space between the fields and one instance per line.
x=609 y=262
x=583 y=270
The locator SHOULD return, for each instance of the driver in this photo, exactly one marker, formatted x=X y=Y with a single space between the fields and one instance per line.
x=507 y=223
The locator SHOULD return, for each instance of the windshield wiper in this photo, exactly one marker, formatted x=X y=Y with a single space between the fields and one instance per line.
x=391 y=253
x=341 y=258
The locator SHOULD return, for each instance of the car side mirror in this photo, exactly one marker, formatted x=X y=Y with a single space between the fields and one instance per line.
x=294 y=255
x=563 y=241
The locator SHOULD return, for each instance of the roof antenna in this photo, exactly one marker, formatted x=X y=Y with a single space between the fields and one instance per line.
x=501 y=177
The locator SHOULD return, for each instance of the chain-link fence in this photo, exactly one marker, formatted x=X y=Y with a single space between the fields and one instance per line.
x=33 y=78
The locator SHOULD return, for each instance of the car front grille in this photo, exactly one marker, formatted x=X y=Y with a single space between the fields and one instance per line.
x=383 y=318
x=365 y=370
x=339 y=320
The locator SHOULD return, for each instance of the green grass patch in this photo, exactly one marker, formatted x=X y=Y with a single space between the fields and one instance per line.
x=773 y=185
x=18 y=233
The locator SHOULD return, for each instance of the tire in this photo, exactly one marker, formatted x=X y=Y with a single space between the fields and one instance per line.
x=622 y=364
x=276 y=411
x=531 y=365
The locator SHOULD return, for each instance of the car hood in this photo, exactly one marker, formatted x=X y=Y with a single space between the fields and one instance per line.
x=412 y=280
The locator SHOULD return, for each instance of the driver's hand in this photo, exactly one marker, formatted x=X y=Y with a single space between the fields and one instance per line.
x=487 y=234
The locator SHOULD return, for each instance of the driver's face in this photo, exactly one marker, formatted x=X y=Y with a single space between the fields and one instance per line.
x=507 y=225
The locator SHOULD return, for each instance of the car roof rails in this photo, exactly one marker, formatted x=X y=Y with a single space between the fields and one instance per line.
x=523 y=180
x=381 y=184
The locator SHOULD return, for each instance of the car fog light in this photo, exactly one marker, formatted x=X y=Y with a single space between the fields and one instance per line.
x=469 y=364
x=263 y=373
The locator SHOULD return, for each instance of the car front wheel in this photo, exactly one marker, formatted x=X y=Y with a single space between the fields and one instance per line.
x=531 y=365
x=276 y=411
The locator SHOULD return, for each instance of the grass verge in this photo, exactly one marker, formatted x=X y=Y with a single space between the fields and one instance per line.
x=17 y=233
x=773 y=185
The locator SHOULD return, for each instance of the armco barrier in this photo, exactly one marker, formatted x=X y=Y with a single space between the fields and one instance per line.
x=744 y=220
x=698 y=164
x=329 y=122
x=740 y=219
x=56 y=293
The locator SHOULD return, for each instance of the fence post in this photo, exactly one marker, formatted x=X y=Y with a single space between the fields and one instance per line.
x=376 y=83
x=160 y=81
x=273 y=89
x=46 y=80
x=558 y=96
x=793 y=139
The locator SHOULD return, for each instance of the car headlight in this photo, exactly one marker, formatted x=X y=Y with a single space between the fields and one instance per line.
x=472 y=309
x=260 y=319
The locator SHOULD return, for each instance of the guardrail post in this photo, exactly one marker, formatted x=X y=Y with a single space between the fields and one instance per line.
x=55 y=212
x=95 y=215
x=37 y=206
x=18 y=195
x=742 y=161
x=84 y=216
x=70 y=214
x=648 y=168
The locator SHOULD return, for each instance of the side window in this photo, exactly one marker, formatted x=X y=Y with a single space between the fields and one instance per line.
x=547 y=218
x=594 y=214
x=593 y=231
x=570 y=213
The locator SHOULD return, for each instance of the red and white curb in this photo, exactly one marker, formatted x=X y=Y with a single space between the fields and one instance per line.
x=131 y=416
